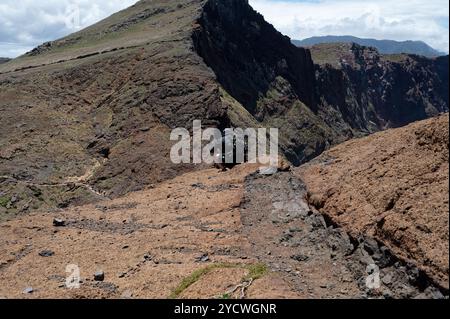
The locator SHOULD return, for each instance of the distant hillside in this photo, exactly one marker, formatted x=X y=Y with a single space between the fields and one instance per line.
x=4 y=60
x=384 y=46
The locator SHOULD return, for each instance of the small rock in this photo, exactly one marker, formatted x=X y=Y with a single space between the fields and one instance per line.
x=47 y=253
x=99 y=276
x=371 y=246
x=203 y=258
x=57 y=222
x=127 y=294
x=268 y=171
x=300 y=257
x=14 y=199
x=28 y=290
x=387 y=280
x=148 y=257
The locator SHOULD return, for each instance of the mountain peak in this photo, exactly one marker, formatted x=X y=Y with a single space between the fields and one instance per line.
x=147 y=22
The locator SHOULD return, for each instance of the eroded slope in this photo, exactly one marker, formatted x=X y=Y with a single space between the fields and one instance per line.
x=392 y=186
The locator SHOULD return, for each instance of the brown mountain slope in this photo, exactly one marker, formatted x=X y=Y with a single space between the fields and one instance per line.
x=238 y=234
x=392 y=186
x=89 y=116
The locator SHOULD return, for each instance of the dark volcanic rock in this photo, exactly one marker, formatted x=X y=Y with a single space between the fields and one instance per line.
x=373 y=91
x=57 y=222
x=99 y=276
x=47 y=253
x=247 y=63
x=348 y=91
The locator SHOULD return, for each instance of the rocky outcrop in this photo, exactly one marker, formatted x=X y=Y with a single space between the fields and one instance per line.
x=374 y=91
x=343 y=91
x=392 y=186
x=247 y=54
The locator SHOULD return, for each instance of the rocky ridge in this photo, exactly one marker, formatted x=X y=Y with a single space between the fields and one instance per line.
x=89 y=116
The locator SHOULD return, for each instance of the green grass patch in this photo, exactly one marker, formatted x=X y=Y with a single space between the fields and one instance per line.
x=256 y=271
x=4 y=201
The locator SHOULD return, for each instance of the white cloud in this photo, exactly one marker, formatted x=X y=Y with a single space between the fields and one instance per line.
x=25 y=24
x=425 y=20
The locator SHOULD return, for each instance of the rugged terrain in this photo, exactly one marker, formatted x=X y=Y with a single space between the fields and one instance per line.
x=240 y=234
x=375 y=91
x=86 y=178
x=89 y=116
x=384 y=46
x=392 y=186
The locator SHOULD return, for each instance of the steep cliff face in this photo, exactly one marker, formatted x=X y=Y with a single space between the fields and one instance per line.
x=248 y=54
x=374 y=91
x=269 y=80
x=342 y=91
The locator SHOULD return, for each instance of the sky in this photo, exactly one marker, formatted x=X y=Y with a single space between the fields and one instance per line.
x=24 y=24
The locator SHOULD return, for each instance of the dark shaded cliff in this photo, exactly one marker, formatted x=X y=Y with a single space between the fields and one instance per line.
x=374 y=91
x=247 y=53
x=343 y=91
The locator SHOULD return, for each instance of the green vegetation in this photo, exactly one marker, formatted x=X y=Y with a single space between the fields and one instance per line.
x=4 y=201
x=255 y=271
x=239 y=116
